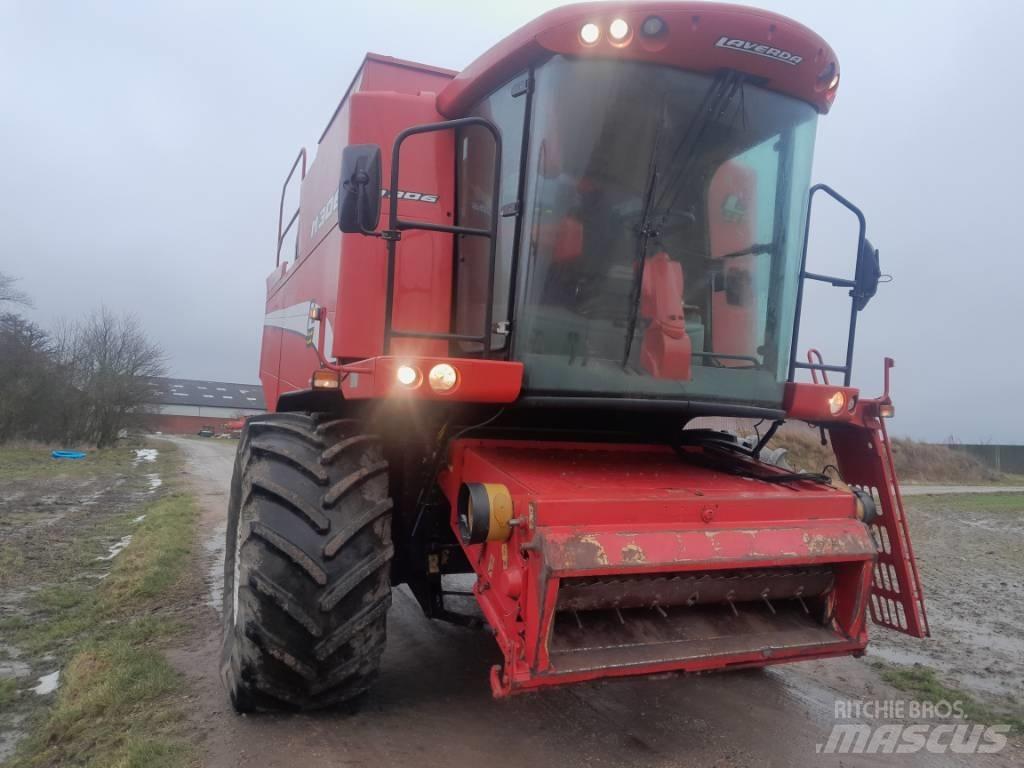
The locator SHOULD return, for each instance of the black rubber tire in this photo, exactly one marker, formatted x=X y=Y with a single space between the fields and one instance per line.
x=309 y=536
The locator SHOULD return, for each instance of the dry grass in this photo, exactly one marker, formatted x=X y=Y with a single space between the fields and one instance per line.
x=915 y=462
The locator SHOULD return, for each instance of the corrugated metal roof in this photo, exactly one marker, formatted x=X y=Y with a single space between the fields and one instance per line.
x=209 y=393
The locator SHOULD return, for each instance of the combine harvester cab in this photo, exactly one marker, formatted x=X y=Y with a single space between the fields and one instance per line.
x=514 y=290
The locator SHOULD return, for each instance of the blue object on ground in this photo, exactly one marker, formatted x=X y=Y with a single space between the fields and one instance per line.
x=68 y=455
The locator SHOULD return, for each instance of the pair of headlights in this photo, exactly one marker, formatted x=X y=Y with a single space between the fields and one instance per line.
x=442 y=377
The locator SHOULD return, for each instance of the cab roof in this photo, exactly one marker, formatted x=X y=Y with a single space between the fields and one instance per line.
x=703 y=37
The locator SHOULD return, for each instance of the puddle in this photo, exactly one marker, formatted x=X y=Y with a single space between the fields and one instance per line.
x=145 y=454
x=154 y=481
x=47 y=684
x=138 y=519
x=214 y=547
x=116 y=548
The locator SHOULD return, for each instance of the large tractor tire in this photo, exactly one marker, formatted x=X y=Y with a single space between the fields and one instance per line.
x=307 y=564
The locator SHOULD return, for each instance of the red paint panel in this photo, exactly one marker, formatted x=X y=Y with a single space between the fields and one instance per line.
x=423 y=267
x=479 y=381
x=617 y=511
x=386 y=73
x=693 y=31
x=270 y=356
x=522 y=680
x=345 y=274
x=571 y=552
x=589 y=483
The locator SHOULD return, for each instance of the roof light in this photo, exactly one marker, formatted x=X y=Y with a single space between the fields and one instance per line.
x=590 y=33
x=618 y=30
x=887 y=411
x=652 y=26
x=836 y=403
x=442 y=377
x=407 y=376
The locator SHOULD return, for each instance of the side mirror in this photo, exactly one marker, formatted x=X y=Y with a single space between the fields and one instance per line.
x=869 y=272
x=359 y=189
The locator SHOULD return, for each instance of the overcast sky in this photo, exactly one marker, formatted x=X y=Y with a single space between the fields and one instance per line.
x=143 y=146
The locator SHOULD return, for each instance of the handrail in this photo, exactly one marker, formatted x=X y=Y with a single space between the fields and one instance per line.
x=847 y=369
x=397 y=225
x=815 y=367
x=283 y=233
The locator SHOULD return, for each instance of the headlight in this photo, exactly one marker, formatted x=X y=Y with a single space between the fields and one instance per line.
x=589 y=33
x=407 y=376
x=619 y=30
x=442 y=377
x=836 y=403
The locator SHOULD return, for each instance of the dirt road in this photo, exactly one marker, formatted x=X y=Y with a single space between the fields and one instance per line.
x=432 y=704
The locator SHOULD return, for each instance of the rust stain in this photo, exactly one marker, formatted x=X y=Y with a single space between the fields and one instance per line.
x=633 y=553
x=830 y=545
x=585 y=552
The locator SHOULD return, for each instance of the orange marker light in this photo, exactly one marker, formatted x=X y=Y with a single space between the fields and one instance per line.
x=326 y=379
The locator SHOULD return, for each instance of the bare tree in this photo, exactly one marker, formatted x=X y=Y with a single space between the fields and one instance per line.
x=27 y=386
x=82 y=383
x=9 y=292
x=108 y=360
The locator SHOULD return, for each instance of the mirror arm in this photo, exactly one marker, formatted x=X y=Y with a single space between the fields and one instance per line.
x=361 y=179
x=838 y=282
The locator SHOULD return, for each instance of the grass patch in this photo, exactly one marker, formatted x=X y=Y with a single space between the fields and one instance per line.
x=924 y=684
x=116 y=705
x=111 y=705
x=153 y=563
x=974 y=502
x=30 y=462
x=12 y=561
x=8 y=690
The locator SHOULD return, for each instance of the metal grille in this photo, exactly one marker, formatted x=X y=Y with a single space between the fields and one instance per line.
x=865 y=460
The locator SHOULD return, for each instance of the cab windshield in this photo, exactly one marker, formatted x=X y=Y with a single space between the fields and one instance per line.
x=662 y=233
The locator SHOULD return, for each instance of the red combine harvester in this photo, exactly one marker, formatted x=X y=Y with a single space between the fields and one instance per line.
x=591 y=236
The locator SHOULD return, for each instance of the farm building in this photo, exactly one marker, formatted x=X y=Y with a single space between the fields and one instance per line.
x=184 y=406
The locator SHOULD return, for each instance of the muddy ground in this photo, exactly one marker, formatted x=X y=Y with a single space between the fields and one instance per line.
x=432 y=704
x=970 y=551
x=64 y=526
